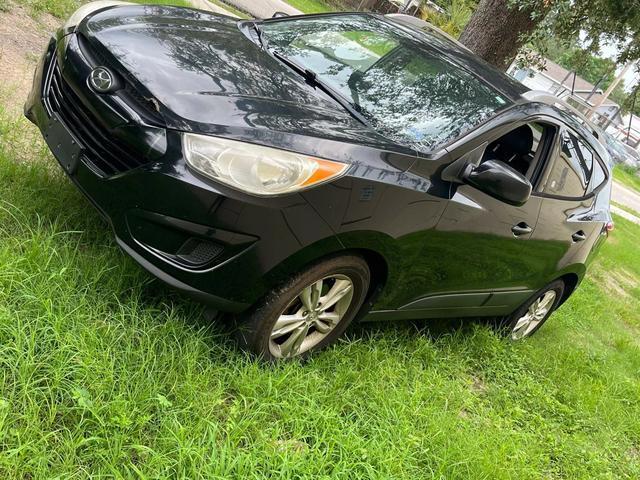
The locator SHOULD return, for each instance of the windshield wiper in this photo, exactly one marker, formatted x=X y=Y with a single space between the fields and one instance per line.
x=261 y=39
x=312 y=78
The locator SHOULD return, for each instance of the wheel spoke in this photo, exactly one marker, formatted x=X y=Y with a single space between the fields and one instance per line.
x=305 y=298
x=310 y=296
x=339 y=289
x=316 y=291
x=546 y=301
x=322 y=326
x=292 y=345
x=329 y=317
x=532 y=324
x=285 y=324
x=522 y=323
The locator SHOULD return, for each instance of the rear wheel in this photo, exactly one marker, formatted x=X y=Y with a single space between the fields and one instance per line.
x=309 y=312
x=528 y=319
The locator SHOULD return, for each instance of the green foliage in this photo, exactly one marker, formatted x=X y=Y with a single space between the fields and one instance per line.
x=107 y=373
x=456 y=16
x=616 y=21
x=589 y=66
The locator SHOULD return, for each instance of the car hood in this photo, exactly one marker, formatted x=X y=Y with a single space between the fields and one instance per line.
x=208 y=76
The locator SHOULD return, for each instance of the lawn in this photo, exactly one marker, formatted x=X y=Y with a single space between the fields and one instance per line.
x=106 y=372
x=311 y=6
x=64 y=8
x=628 y=176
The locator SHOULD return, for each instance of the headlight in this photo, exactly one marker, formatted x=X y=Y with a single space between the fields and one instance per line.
x=256 y=169
x=77 y=16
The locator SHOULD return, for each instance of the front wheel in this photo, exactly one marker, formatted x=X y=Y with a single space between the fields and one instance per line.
x=308 y=312
x=528 y=319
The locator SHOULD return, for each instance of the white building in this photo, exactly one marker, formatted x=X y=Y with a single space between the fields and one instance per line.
x=583 y=95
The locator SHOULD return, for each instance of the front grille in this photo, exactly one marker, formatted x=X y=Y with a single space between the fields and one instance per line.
x=145 y=106
x=105 y=153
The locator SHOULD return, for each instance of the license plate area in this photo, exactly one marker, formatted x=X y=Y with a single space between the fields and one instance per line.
x=63 y=144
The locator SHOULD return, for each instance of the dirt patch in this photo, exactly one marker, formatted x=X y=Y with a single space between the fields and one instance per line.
x=619 y=282
x=22 y=41
x=478 y=386
x=613 y=286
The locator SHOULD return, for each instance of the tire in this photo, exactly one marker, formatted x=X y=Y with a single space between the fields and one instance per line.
x=302 y=330
x=516 y=327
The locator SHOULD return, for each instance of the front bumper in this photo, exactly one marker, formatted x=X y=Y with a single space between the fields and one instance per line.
x=220 y=246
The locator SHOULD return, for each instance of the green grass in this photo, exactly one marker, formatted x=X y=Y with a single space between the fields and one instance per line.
x=628 y=176
x=64 y=8
x=107 y=373
x=311 y=6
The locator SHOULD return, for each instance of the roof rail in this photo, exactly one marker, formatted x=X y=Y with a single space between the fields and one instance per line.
x=545 y=97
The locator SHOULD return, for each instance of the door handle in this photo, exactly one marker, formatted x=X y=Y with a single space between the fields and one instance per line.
x=578 y=236
x=521 y=229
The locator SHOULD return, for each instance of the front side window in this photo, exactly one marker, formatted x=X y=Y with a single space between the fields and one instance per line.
x=570 y=172
x=520 y=148
x=411 y=93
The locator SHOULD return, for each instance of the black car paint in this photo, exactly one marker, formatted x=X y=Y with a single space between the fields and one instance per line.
x=436 y=247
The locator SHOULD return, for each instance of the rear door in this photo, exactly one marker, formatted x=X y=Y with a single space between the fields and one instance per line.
x=571 y=220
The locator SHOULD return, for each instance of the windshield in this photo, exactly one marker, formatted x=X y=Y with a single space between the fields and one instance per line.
x=410 y=92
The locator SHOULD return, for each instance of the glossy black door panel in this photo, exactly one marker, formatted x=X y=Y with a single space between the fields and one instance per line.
x=482 y=251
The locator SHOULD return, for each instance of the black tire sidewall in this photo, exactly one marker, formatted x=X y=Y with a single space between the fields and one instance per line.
x=508 y=323
x=254 y=328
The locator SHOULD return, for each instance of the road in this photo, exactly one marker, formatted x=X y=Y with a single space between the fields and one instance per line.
x=263 y=8
x=625 y=196
x=205 y=5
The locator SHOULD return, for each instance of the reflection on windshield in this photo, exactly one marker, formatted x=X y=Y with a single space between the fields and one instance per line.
x=411 y=93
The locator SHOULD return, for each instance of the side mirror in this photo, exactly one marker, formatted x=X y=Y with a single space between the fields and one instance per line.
x=279 y=15
x=498 y=180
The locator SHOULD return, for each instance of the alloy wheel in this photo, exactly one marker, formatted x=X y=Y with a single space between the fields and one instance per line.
x=310 y=316
x=535 y=314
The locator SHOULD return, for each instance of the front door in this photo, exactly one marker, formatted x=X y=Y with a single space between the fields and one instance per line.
x=482 y=252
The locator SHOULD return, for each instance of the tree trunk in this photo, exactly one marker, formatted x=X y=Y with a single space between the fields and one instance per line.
x=495 y=31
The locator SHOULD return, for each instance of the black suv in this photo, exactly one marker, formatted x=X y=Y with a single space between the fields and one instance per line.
x=304 y=171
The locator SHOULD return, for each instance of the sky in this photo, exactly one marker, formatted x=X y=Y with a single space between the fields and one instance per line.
x=632 y=77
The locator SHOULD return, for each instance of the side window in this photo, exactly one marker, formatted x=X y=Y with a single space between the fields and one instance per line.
x=569 y=173
x=520 y=148
x=597 y=177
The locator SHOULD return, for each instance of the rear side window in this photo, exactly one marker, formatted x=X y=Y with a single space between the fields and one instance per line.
x=597 y=177
x=570 y=171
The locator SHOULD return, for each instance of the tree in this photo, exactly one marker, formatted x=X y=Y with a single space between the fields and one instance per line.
x=499 y=28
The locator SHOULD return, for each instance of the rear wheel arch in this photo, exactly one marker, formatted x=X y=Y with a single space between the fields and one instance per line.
x=571 y=281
